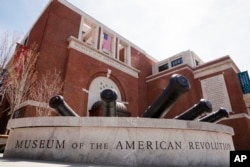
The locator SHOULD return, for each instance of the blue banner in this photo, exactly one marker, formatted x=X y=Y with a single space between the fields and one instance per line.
x=244 y=81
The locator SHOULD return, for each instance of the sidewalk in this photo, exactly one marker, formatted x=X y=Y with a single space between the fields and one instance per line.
x=7 y=162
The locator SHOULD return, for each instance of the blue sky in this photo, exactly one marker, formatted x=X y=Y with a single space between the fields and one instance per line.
x=163 y=28
x=19 y=15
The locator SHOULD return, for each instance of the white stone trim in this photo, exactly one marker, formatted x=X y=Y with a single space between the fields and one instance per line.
x=119 y=122
x=80 y=29
x=237 y=116
x=220 y=66
x=33 y=103
x=83 y=14
x=74 y=43
x=128 y=55
x=164 y=73
x=215 y=90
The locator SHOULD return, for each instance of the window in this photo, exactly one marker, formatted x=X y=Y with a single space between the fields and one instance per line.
x=89 y=33
x=104 y=40
x=163 y=67
x=97 y=85
x=123 y=52
x=196 y=63
x=176 y=62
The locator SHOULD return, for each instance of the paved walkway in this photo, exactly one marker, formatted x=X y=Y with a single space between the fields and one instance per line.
x=7 y=162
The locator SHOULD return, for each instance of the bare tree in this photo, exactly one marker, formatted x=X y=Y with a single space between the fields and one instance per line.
x=47 y=86
x=7 y=46
x=21 y=84
x=21 y=75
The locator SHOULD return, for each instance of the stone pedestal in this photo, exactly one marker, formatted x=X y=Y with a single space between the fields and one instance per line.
x=3 y=140
x=120 y=141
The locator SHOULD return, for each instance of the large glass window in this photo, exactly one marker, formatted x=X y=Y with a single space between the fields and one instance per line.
x=163 y=67
x=176 y=62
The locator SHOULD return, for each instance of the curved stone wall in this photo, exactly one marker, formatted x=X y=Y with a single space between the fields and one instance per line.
x=120 y=141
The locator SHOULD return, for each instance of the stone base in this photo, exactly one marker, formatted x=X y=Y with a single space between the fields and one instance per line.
x=3 y=141
x=120 y=141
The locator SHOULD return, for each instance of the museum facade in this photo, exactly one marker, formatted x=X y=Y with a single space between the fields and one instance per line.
x=92 y=57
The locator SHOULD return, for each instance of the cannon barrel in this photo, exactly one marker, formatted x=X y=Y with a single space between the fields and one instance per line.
x=58 y=103
x=178 y=85
x=121 y=108
x=109 y=97
x=215 y=116
x=195 y=111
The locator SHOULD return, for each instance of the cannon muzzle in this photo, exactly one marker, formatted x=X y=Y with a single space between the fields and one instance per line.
x=216 y=116
x=58 y=103
x=177 y=86
x=195 y=111
x=109 y=97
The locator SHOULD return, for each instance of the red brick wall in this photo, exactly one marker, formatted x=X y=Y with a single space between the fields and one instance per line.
x=241 y=128
x=58 y=23
x=144 y=64
x=51 y=32
x=234 y=91
x=82 y=69
x=156 y=86
x=159 y=82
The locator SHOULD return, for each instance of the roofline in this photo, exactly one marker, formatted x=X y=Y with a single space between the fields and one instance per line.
x=223 y=58
x=79 y=11
x=40 y=15
x=207 y=68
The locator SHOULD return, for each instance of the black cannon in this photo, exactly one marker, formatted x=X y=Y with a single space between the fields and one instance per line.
x=109 y=97
x=110 y=106
x=178 y=85
x=61 y=106
x=215 y=116
x=195 y=111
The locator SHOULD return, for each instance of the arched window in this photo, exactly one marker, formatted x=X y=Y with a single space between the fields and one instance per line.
x=97 y=86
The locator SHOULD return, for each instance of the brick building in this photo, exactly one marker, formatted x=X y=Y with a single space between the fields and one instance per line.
x=92 y=57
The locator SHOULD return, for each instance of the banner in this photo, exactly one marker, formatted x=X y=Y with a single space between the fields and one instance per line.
x=17 y=63
x=244 y=81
